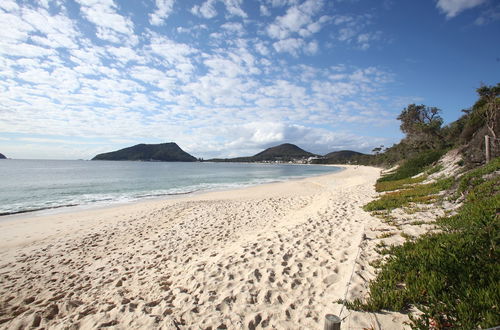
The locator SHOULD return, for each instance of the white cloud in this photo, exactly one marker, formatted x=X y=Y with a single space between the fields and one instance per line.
x=9 y=5
x=164 y=8
x=261 y=48
x=298 y=19
x=147 y=74
x=37 y=149
x=251 y=138
x=56 y=77
x=110 y=25
x=234 y=8
x=312 y=48
x=206 y=10
x=34 y=33
x=124 y=54
x=353 y=30
x=172 y=52
x=194 y=30
x=290 y=45
x=454 y=7
x=281 y=3
x=53 y=140
x=234 y=27
x=264 y=11
x=88 y=56
x=14 y=28
x=24 y=50
x=364 y=40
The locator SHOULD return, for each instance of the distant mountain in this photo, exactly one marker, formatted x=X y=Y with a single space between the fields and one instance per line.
x=343 y=157
x=284 y=152
x=2 y=156
x=343 y=154
x=165 y=152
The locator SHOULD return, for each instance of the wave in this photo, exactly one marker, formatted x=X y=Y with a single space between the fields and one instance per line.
x=73 y=198
x=36 y=209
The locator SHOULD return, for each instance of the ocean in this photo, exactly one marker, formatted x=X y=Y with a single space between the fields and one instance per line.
x=35 y=185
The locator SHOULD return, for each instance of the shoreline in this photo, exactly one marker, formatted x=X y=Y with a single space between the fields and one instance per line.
x=275 y=255
x=52 y=210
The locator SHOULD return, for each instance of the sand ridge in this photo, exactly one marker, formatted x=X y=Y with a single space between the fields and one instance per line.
x=273 y=256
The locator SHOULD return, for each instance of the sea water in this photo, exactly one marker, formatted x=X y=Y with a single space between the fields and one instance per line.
x=33 y=185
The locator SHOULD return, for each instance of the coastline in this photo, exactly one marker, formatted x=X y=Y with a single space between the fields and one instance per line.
x=275 y=254
x=75 y=206
x=58 y=216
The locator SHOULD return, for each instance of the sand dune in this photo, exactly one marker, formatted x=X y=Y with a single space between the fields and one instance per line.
x=274 y=256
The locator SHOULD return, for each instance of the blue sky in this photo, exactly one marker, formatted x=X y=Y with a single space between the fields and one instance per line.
x=226 y=78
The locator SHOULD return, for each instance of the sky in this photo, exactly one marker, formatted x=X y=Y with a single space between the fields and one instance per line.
x=227 y=78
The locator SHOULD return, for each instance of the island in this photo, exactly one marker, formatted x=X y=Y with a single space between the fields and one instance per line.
x=163 y=152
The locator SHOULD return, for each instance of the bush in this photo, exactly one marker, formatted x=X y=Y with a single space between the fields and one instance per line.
x=414 y=165
x=453 y=276
x=475 y=177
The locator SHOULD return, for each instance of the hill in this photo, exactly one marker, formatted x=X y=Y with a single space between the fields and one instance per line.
x=284 y=152
x=2 y=156
x=342 y=154
x=344 y=157
x=165 y=152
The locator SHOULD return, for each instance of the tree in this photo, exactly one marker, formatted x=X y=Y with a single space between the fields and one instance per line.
x=377 y=150
x=490 y=96
x=422 y=126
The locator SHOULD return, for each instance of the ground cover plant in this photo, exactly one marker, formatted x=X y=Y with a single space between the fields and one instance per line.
x=452 y=275
x=422 y=193
x=382 y=186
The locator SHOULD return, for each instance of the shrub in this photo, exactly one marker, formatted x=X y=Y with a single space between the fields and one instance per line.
x=414 y=165
x=475 y=177
x=452 y=276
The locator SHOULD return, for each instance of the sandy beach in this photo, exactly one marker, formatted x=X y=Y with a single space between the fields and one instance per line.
x=274 y=256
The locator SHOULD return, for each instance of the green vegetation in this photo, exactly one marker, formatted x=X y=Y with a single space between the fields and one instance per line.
x=452 y=276
x=422 y=126
x=385 y=235
x=424 y=131
x=476 y=177
x=381 y=186
x=345 y=157
x=418 y=223
x=414 y=165
x=424 y=193
x=434 y=169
